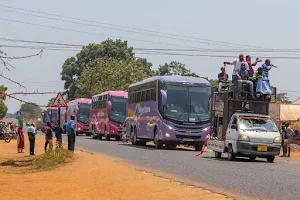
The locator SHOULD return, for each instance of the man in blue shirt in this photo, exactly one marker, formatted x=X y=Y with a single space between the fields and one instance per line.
x=243 y=77
x=266 y=67
x=71 y=130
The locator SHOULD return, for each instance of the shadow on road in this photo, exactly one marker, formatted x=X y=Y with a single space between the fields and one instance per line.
x=236 y=160
x=152 y=147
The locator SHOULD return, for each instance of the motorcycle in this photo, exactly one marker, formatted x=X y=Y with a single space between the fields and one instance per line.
x=5 y=136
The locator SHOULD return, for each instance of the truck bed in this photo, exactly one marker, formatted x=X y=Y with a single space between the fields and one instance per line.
x=216 y=145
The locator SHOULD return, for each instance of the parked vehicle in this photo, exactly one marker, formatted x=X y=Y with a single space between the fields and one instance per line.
x=169 y=110
x=80 y=108
x=108 y=114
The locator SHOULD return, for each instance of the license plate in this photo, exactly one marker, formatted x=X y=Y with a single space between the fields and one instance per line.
x=262 y=148
x=187 y=139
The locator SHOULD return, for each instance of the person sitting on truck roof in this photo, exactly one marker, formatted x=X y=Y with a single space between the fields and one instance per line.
x=243 y=78
x=259 y=74
x=237 y=66
x=222 y=77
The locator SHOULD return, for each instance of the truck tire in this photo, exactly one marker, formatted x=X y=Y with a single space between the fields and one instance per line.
x=198 y=146
x=230 y=153
x=158 y=143
x=270 y=159
x=252 y=158
x=218 y=154
x=118 y=138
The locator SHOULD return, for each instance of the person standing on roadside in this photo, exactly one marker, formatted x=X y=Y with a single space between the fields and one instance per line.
x=70 y=129
x=31 y=136
x=20 y=139
x=289 y=135
x=58 y=133
x=49 y=136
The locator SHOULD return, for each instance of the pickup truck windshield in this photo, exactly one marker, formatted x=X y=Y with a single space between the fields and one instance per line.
x=253 y=123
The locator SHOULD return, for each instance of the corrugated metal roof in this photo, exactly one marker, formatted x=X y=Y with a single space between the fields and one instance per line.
x=297 y=102
x=289 y=112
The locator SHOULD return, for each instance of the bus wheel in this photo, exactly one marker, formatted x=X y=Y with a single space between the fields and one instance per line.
x=134 y=138
x=198 y=146
x=107 y=136
x=118 y=138
x=94 y=134
x=77 y=133
x=158 y=143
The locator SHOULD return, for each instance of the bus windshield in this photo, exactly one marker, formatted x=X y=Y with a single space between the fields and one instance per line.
x=54 y=116
x=118 y=113
x=255 y=123
x=188 y=103
x=84 y=112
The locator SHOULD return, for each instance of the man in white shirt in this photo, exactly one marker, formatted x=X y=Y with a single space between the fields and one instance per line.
x=237 y=66
x=31 y=136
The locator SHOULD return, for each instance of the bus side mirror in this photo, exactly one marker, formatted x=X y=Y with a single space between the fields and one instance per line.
x=164 y=97
x=109 y=106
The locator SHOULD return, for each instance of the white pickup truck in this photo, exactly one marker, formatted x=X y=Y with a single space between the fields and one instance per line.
x=247 y=135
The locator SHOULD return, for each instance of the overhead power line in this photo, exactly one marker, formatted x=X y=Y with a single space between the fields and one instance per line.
x=144 y=31
x=93 y=33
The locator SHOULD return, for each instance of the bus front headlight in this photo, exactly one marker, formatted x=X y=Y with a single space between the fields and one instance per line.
x=277 y=139
x=169 y=127
x=205 y=129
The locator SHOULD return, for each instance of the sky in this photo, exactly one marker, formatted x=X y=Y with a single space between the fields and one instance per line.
x=255 y=24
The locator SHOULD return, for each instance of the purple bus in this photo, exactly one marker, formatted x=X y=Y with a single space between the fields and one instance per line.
x=169 y=110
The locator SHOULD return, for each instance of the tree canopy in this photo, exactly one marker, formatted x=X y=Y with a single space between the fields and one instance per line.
x=282 y=98
x=105 y=75
x=116 y=50
x=30 y=110
x=3 y=107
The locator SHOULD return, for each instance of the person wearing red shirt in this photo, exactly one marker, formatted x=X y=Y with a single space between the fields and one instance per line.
x=251 y=65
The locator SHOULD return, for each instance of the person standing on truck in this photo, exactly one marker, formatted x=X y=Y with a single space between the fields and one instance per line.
x=237 y=66
x=70 y=128
x=251 y=65
x=243 y=77
x=266 y=67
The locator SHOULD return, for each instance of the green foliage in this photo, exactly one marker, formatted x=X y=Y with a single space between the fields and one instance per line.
x=173 y=68
x=282 y=98
x=30 y=110
x=3 y=109
x=105 y=75
x=50 y=101
x=109 y=49
x=51 y=159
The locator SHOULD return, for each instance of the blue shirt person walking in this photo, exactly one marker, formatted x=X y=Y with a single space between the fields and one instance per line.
x=71 y=129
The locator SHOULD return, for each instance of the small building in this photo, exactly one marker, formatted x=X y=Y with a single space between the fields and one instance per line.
x=286 y=113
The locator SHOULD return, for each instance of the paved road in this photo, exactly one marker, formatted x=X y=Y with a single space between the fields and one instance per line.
x=279 y=180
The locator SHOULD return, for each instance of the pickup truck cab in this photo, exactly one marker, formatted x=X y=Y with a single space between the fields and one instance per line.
x=249 y=135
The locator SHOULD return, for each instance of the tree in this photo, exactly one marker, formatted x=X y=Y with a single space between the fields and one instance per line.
x=174 y=68
x=30 y=110
x=50 y=101
x=108 y=49
x=105 y=75
x=3 y=109
x=282 y=98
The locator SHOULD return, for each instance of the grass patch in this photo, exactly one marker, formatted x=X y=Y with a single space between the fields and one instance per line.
x=51 y=159
x=29 y=164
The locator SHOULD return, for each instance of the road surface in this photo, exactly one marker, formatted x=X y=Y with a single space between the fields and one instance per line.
x=279 y=180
